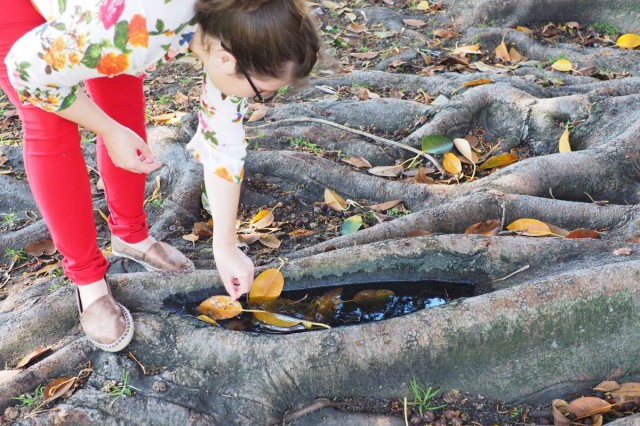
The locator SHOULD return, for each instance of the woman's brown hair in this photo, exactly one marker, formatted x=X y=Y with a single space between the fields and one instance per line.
x=265 y=36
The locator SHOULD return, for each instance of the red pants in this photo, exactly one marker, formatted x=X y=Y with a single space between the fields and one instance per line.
x=55 y=167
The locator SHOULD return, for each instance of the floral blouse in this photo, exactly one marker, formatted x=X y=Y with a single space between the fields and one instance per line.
x=83 y=40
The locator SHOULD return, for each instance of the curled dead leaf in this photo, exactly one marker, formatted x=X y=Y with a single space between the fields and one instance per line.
x=560 y=410
x=32 y=356
x=270 y=241
x=58 y=387
x=381 y=207
x=333 y=200
x=488 y=227
x=39 y=248
x=588 y=406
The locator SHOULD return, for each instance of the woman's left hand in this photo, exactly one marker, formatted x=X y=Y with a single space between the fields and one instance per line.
x=235 y=269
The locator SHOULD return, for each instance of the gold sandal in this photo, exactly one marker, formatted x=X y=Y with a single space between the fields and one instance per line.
x=160 y=257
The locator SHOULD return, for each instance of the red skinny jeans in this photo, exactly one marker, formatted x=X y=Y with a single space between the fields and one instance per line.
x=56 y=169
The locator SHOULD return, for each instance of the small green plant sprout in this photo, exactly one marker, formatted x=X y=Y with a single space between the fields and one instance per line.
x=28 y=399
x=304 y=144
x=603 y=27
x=164 y=100
x=15 y=255
x=423 y=397
x=283 y=90
x=9 y=219
x=122 y=389
x=515 y=412
x=394 y=212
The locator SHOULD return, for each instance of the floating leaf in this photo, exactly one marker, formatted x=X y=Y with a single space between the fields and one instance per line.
x=588 y=406
x=41 y=247
x=488 y=227
x=478 y=82
x=29 y=358
x=583 y=233
x=267 y=286
x=280 y=320
x=387 y=171
x=208 y=320
x=351 y=225
x=530 y=227
x=563 y=65
x=220 y=307
x=628 y=41
x=327 y=303
x=502 y=52
x=463 y=147
x=381 y=207
x=436 y=144
x=372 y=295
x=564 y=141
x=270 y=241
x=498 y=161
x=357 y=161
x=452 y=164
x=262 y=219
x=333 y=200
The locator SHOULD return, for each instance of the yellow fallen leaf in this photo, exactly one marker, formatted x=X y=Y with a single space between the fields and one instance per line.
x=515 y=55
x=333 y=200
x=530 y=227
x=452 y=164
x=564 y=141
x=478 y=82
x=498 y=161
x=524 y=30
x=502 y=52
x=628 y=41
x=473 y=49
x=423 y=5
x=563 y=65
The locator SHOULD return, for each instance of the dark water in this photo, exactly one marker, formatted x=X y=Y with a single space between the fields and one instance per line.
x=334 y=311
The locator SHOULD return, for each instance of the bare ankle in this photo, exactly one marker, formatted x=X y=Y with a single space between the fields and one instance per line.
x=91 y=292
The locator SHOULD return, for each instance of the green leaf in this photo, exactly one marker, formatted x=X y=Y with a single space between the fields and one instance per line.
x=62 y=5
x=160 y=25
x=436 y=144
x=60 y=26
x=351 y=225
x=121 y=35
x=92 y=56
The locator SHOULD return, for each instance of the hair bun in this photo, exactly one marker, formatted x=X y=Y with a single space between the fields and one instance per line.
x=248 y=5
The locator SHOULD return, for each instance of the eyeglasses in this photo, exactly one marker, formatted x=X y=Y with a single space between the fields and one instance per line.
x=258 y=98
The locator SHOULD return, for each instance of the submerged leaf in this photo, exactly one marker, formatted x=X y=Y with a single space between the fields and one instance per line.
x=208 y=320
x=267 y=286
x=220 y=307
x=372 y=295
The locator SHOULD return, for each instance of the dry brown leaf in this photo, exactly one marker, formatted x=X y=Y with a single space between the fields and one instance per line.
x=588 y=406
x=463 y=147
x=249 y=238
x=559 y=408
x=191 y=237
x=627 y=390
x=203 y=229
x=583 y=233
x=357 y=161
x=418 y=233
x=220 y=307
x=515 y=56
x=41 y=247
x=57 y=388
x=381 y=207
x=488 y=227
x=333 y=200
x=356 y=28
x=181 y=98
x=27 y=359
x=473 y=49
x=445 y=33
x=633 y=240
x=258 y=114
x=262 y=219
x=364 y=55
x=387 y=171
x=416 y=23
x=607 y=386
x=270 y=241
x=502 y=53
x=300 y=232
x=478 y=82
x=267 y=286
x=556 y=230
x=623 y=251
x=421 y=177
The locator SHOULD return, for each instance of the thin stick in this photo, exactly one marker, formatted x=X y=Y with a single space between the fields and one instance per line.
x=314 y=406
x=357 y=132
x=132 y=356
x=406 y=420
x=524 y=268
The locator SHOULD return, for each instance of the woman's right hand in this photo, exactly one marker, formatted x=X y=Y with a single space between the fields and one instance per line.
x=128 y=151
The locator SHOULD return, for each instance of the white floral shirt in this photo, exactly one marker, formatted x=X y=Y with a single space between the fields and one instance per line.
x=88 y=39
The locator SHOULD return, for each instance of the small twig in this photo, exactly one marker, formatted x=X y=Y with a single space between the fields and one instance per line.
x=357 y=132
x=318 y=404
x=406 y=420
x=504 y=215
x=524 y=268
x=133 y=357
